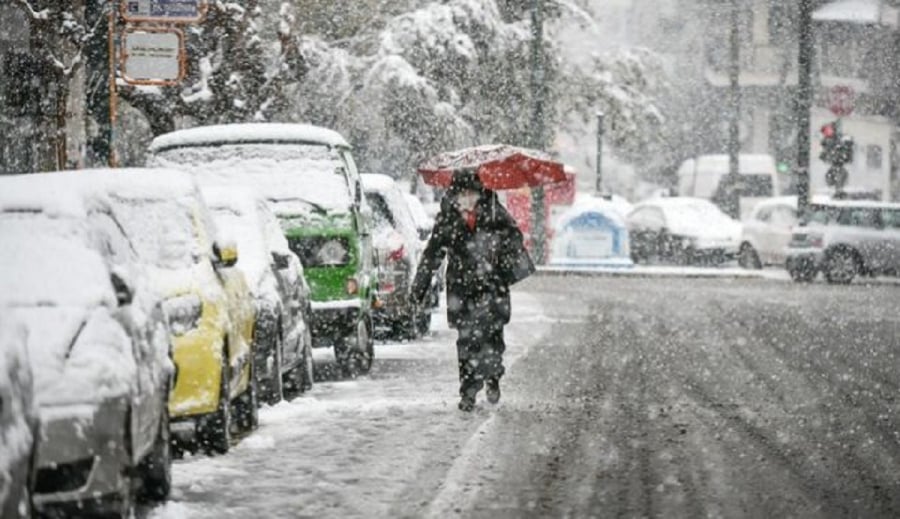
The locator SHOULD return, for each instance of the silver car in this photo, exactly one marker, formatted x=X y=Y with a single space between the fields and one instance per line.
x=98 y=347
x=844 y=239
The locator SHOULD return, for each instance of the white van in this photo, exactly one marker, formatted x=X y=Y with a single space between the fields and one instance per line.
x=700 y=177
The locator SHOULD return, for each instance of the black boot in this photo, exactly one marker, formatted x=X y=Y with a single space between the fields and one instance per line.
x=493 y=390
x=466 y=404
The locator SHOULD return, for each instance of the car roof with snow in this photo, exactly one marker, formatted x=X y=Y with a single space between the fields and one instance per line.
x=378 y=182
x=866 y=204
x=248 y=133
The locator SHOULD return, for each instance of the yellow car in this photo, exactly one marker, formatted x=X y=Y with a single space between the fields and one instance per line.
x=210 y=312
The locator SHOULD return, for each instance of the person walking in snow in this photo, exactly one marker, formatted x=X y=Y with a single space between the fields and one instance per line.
x=485 y=255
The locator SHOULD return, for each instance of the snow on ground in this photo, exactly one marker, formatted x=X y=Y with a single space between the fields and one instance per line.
x=350 y=447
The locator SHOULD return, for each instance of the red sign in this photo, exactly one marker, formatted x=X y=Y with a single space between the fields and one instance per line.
x=840 y=100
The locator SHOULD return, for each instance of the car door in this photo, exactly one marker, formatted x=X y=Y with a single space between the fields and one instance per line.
x=756 y=231
x=890 y=229
x=859 y=228
x=782 y=220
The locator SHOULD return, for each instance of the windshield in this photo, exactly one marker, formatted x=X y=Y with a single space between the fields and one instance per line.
x=381 y=213
x=52 y=265
x=310 y=172
x=162 y=231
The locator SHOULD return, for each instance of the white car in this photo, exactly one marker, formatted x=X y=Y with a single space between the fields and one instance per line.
x=397 y=244
x=19 y=427
x=283 y=338
x=681 y=229
x=843 y=239
x=767 y=232
x=102 y=370
x=424 y=223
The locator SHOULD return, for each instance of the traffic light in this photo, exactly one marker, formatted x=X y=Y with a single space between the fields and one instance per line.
x=837 y=149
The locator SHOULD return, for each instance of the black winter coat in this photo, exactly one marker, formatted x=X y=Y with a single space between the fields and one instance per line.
x=481 y=264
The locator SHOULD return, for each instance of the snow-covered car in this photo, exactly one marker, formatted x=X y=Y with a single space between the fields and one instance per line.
x=207 y=302
x=98 y=346
x=767 y=232
x=283 y=339
x=397 y=244
x=309 y=176
x=843 y=239
x=424 y=225
x=682 y=229
x=18 y=422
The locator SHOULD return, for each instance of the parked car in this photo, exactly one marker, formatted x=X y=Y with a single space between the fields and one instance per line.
x=424 y=225
x=19 y=426
x=681 y=229
x=283 y=339
x=309 y=176
x=844 y=239
x=102 y=369
x=207 y=301
x=767 y=232
x=398 y=246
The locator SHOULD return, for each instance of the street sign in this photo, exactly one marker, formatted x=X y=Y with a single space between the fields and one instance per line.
x=153 y=56
x=167 y=11
x=840 y=100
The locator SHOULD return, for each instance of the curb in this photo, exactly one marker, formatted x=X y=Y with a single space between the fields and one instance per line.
x=648 y=274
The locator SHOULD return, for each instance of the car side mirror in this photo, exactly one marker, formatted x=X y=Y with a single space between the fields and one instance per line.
x=281 y=261
x=124 y=293
x=225 y=254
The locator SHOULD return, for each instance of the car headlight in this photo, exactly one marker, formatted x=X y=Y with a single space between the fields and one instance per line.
x=183 y=313
x=332 y=252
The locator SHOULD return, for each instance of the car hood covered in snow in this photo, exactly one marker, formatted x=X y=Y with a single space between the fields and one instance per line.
x=84 y=357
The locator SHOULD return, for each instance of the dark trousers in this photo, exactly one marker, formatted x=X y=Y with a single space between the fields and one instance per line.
x=480 y=352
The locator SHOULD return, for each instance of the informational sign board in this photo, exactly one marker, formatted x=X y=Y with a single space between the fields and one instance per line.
x=169 y=11
x=153 y=56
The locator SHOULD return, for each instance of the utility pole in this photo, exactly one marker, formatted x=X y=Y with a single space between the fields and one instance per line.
x=731 y=201
x=804 y=103
x=600 y=129
x=537 y=123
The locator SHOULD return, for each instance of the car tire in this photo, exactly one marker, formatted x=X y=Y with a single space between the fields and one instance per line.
x=214 y=432
x=308 y=366
x=155 y=470
x=748 y=258
x=271 y=389
x=841 y=266
x=246 y=405
x=354 y=361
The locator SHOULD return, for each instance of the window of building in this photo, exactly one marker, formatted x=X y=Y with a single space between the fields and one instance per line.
x=874 y=156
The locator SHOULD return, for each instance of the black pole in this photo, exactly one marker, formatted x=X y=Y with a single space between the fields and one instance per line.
x=731 y=201
x=600 y=129
x=537 y=123
x=804 y=103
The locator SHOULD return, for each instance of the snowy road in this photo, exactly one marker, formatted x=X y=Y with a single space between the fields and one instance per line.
x=624 y=397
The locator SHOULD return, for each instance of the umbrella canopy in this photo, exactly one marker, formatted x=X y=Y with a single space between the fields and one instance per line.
x=498 y=166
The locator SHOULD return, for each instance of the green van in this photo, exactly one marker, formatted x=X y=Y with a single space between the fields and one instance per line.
x=311 y=181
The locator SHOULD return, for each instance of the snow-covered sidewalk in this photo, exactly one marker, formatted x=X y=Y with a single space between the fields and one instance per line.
x=363 y=447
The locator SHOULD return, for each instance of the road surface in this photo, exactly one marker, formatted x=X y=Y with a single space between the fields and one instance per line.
x=624 y=398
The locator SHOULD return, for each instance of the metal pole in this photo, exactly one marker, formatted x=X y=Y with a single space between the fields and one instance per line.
x=804 y=103
x=731 y=201
x=600 y=131
x=537 y=123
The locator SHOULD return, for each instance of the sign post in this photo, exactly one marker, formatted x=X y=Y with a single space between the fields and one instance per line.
x=841 y=99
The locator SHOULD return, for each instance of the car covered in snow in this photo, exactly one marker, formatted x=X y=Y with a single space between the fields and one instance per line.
x=308 y=175
x=19 y=426
x=283 y=339
x=767 y=232
x=207 y=302
x=683 y=230
x=398 y=246
x=844 y=239
x=98 y=346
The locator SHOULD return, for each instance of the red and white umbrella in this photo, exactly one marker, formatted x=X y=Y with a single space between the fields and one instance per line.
x=498 y=166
